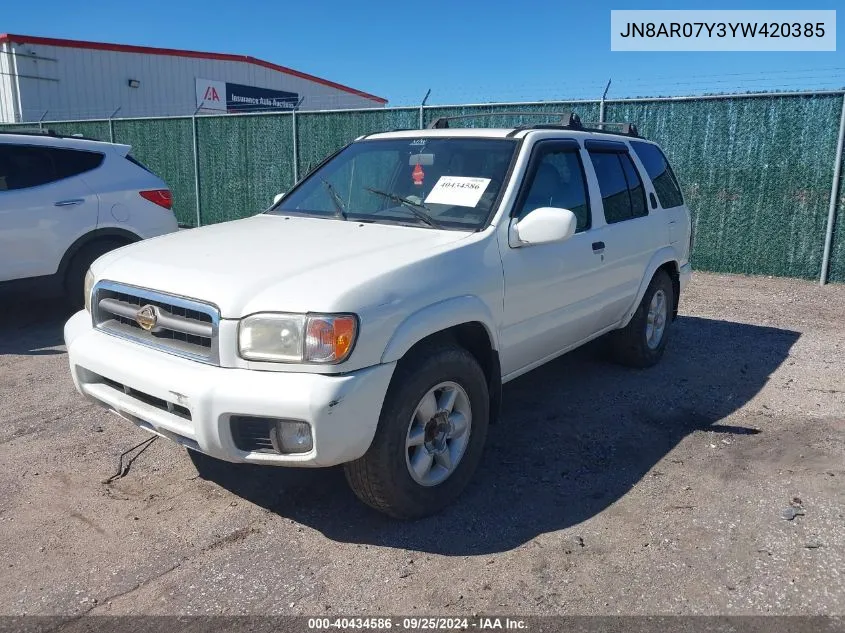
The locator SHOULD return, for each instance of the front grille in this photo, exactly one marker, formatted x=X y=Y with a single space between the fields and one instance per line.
x=185 y=327
x=158 y=403
x=252 y=434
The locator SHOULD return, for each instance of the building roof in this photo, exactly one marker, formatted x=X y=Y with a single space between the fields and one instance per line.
x=174 y=52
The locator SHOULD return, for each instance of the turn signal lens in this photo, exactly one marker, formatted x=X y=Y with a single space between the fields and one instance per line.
x=329 y=339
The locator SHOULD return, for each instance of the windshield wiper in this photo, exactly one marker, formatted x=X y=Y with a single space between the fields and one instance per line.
x=336 y=199
x=419 y=210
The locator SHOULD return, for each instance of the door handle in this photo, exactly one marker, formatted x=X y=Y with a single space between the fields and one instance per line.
x=69 y=203
x=598 y=247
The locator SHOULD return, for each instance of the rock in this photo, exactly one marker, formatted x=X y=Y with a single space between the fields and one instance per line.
x=791 y=512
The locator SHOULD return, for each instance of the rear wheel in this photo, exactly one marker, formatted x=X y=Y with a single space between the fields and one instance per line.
x=430 y=435
x=641 y=343
x=74 y=282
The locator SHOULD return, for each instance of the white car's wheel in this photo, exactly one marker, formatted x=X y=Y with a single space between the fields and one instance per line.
x=641 y=343
x=438 y=434
x=74 y=281
x=430 y=436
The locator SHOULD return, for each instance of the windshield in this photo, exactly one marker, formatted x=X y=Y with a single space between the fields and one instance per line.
x=442 y=183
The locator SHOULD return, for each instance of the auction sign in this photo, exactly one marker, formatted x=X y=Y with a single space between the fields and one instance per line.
x=228 y=97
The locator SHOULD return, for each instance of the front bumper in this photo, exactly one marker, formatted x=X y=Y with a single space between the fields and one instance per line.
x=192 y=403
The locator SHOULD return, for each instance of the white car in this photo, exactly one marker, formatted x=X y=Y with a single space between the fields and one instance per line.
x=370 y=316
x=64 y=201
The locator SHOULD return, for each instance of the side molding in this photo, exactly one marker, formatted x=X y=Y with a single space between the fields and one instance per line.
x=435 y=318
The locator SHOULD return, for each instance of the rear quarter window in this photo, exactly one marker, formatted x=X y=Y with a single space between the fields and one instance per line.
x=71 y=162
x=658 y=169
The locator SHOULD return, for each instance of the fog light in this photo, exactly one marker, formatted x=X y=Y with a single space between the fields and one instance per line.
x=290 y=436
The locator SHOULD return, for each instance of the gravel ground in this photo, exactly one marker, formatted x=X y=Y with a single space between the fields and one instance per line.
x=603 y=490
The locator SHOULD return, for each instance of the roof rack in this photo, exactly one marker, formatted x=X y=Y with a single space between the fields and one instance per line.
x=567 y=119
x=626 y=129
x=34 y=131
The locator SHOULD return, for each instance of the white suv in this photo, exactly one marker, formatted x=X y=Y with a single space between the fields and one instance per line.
x=64 y=201
x=370 y=316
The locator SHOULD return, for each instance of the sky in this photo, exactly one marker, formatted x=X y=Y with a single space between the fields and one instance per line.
x=465 y=51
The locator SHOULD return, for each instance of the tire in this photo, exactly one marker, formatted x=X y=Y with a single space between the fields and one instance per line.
x=382 y=477
x=74 y=282
x=632 y=345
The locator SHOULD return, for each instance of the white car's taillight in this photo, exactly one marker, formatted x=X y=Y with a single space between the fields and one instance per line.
x=161 y=197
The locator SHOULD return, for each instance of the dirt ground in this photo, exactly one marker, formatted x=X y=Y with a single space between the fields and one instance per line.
x=603 y=490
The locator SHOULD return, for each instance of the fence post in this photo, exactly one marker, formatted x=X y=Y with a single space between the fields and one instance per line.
x=196 y=161
x=111 y=125
x=295 y=142
x=601 y=103
x=834 y=197
x=422 y=109
x=41 y=120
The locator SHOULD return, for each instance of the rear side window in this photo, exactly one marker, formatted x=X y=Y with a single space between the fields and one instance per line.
x=657 y=167
x=635 y=186
x=71 y=162
x=25 y=166
x=622 y=191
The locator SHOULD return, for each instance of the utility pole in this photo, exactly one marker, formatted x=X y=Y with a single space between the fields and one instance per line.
x=111 y=124
x=422 y=109
x=601 y=103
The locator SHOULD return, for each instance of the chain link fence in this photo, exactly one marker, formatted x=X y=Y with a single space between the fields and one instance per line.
x=756 y=169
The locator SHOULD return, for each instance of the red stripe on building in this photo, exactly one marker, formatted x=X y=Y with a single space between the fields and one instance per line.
x=174 y=52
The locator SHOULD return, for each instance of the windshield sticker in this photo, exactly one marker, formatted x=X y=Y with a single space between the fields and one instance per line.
x=459 y=191
x=418 y=175
x=419 y=141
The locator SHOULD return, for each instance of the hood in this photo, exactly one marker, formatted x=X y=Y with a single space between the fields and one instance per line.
x=270 y=262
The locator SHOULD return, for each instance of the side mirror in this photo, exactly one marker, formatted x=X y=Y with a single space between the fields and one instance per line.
x=544 y=225
x=278 y=197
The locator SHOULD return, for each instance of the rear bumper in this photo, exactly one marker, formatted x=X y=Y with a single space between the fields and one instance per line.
x=193 y=403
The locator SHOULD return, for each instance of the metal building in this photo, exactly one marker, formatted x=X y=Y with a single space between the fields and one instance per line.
x=56 y=79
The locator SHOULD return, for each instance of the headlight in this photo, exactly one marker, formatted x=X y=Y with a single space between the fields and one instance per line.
x=88 y=286
x=297 y=338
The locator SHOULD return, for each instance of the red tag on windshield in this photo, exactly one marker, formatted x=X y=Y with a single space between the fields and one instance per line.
x=418 y=175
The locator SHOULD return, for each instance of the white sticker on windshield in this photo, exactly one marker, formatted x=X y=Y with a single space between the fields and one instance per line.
x=459 y=191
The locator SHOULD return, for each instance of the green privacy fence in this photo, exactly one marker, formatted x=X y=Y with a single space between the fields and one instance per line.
x=166 y=147
x=756 y=173
x=756 y=169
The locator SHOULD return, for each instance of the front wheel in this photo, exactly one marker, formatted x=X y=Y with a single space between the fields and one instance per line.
x=430 y=435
